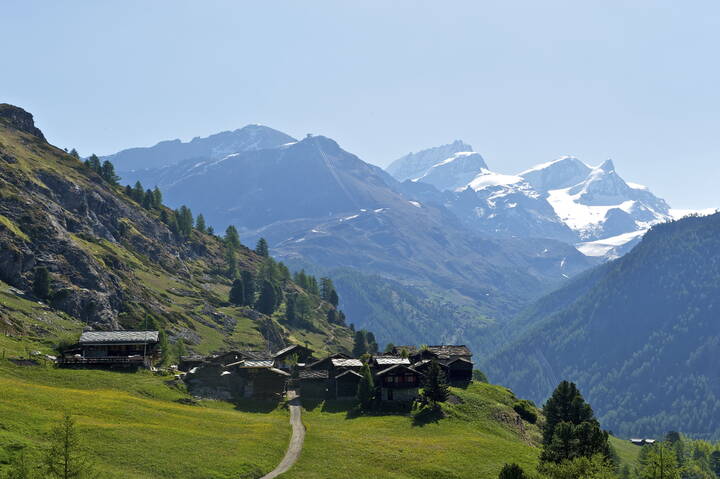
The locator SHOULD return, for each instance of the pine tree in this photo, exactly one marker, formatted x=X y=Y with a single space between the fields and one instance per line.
x=93 y=163
x=571 y=429
x=157 y=197
x=248 y=280
x=237 y=293
x=107 y=171
x=41 y=283
x=267 y=300
x=210 y=230
x=147 y=202
x=334 y=299
x=435 y=388
x=359 y=344
x=128 y=191
x=200 y=223
x=232 y=238
x=262 y=248
x=366 y=387
x=658 y=461
x=290 y=314
x=75 y=154
x=512 y=471
x=138 y=192
x=326 y=286
x=372 y=344
x=231 y=263
x=64 y=458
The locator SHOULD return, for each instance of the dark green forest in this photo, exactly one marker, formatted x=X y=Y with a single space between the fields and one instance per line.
x=641 y=335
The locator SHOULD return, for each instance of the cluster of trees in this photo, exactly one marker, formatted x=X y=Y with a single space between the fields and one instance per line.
x=64 y=458
x=574 y=446
x=148 y=199
x=106 y=169
x=364 y=343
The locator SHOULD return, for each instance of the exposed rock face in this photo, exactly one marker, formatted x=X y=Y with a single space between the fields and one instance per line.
x=20 y=119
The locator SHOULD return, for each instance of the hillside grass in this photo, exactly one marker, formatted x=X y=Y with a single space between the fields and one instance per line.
x=133 y=426
x=626 y=451
x=475 y=439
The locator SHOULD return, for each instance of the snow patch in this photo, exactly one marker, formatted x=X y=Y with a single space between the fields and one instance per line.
x=602 y=247
x=416 y=204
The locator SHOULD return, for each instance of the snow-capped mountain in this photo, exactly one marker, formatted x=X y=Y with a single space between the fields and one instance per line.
x=414 y=165
x=563 y=199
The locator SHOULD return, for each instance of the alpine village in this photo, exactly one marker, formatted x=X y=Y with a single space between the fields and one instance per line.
x=250 y=305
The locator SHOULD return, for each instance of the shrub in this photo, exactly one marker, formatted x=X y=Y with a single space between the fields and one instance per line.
x=526 y=410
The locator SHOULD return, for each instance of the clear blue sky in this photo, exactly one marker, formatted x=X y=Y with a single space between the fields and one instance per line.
x=523 y=82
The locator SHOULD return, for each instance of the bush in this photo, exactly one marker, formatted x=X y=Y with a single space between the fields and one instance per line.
x=526 y=410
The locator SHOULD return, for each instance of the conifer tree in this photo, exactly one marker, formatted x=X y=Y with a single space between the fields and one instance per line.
x=366 y=387
x=185 y=220
x=334 y=299
x=147 y=202
x=107 y=171
x=93 y=163
x=75 y=154
x=372 y=345
x=435 y=388
x=248 y=280
x=267 y=300
x=237 y=292
x=128 y=191
x=261 y=248
x=210 y=230
x=232 y=238
x=64 y=458
x=200 y=223
x=571 y=429
x=231 y=263
x=290 y=314
x=138 y=192
x=157 y=197
x=41 y=283
x=359 y=344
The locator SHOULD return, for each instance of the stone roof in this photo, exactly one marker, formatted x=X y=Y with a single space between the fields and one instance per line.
x=313 y=374
x=442 y=351
x=252 y=363
x=119 y=337
x=347 y=363
x=390 y=360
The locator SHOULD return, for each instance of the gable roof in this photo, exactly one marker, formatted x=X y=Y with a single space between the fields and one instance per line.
x=348 y=373
x=119 y=337
x=346 y=363
x=461 y=359
x=398 y=368
x=290 y=349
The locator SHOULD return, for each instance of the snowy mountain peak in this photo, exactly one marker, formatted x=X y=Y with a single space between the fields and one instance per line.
x=415 y=165
x=564 y=172
x=454 y=172
x=607 y=166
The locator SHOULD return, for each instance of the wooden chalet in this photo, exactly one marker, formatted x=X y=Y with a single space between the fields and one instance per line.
x=257 y=378
x=346 y=384
x=286 y=356
x=455 y=360
x=314 y=383
x=114 y=349
x=398 y=383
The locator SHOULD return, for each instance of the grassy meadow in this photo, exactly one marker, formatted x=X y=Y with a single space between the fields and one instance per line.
x=475 y=439
x=133 y=425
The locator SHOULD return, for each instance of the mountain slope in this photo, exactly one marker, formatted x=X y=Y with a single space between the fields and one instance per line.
x=639 y=335
x=113 y=263
x=415 y=165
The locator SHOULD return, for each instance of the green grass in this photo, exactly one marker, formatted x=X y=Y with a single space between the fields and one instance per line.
x=627 y=451
x=133 y=426
x=13 y=228
x=474 y=441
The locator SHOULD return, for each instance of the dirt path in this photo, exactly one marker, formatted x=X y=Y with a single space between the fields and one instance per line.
x=296 y=441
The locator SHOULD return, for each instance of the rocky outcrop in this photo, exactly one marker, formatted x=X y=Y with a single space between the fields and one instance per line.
x=20 y=119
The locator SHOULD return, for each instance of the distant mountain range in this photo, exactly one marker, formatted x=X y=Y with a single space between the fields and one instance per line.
x=437 y=246
x=324 y=209
x=591 y=207
x=640 y=335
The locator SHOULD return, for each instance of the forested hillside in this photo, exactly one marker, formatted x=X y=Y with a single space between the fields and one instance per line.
x=114 y=257
x=640 y=335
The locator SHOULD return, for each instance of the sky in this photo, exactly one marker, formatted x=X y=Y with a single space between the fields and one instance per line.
x=522 y=82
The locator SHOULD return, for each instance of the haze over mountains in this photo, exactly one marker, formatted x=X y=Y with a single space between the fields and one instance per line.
x=437 y=246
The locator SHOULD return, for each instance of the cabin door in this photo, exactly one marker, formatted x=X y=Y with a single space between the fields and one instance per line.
x=390 y=395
